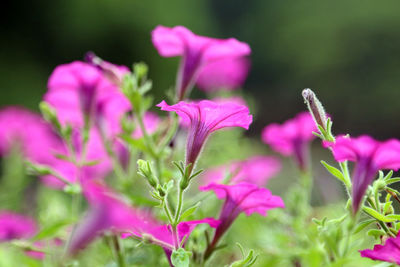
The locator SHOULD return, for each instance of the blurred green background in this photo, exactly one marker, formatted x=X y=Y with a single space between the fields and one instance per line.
x=347 y=51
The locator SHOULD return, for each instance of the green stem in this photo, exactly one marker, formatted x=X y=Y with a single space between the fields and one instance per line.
x=178 y=206
x=171 y=131
x=119 y=251
x=168 y=211
x=346 y=175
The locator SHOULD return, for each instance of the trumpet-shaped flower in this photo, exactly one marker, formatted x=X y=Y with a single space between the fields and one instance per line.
x=242 y=197
x=255 y=170
x=108 y=212
x=196 y=52
x=389 y=252
x=292 y=137
x=75 y=90
x=227 y=74
x=370 y=156
x=205 y=117
x=16 y=226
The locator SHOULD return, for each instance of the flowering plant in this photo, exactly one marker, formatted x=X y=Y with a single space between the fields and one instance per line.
x=121 y=181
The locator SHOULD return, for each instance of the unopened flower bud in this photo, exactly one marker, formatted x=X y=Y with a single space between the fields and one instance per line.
x=315 y=107
x=144 y=169
x=111 y=71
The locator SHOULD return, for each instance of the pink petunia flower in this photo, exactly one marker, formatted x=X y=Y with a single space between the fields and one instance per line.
x=389 y=252
x=41 y=145
x=95 y=154
x=255 y=170
x=75 y=90
x=27 y=130
x=196 y=52
x=291 y=138
x=370 y=157
x=16 y=226
x=108 y=212
x=227 y=74
x=205 y=117
x=242 y=197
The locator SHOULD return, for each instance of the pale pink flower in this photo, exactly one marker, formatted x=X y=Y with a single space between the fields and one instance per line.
x=196 y=52
x=255 y=170
x=370 y=156
x=389 y=252
x=242 y=197
x=226 y=74
x=205 y=117
x=16 y=226
x=292 y=138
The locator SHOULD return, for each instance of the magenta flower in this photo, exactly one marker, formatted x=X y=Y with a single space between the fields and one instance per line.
x=292 y=137
x=370 y=157
x=227 y=74
x=95 y=153
x=196 y=52
x=75 y=89
x=162 y=234
x=255 y=170
x=16 y=226
x=205 y=117
x=108 y=212
x=389 y=252
x=242 y=197
x=27 y=130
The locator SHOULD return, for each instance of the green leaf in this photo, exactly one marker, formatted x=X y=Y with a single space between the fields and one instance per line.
x=335 y=172
x=392 y=180
x=395 y=217
x=181 y=258
x=136 y=143
x=190 y=211
x=376 y=233
x=363 y=225
x=377 y=215
x=52 y=230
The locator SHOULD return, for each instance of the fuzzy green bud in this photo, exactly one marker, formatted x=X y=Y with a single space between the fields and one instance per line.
x=145 y=170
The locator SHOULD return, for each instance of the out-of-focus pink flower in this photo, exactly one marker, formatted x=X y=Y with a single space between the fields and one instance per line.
x=16 y=226
x=242 y=197
x=75 y=89
x=255 y=170
x=292 y=137
x=370 y=157
x=196 y=51
x=206 y=117
x=389 y=252
x=27 y=130
x=151 y=122
x=108 y=212
x=227 y=74
x=95 y=153
x=154 y=231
